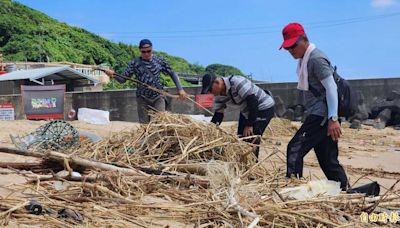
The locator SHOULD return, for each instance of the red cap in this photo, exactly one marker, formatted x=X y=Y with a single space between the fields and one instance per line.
x=291 y=34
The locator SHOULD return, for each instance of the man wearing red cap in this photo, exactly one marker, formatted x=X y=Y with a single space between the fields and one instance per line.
x=321 y=130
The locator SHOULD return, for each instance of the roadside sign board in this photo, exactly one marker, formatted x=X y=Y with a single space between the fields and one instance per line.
x=43 y=102
x=7 y=112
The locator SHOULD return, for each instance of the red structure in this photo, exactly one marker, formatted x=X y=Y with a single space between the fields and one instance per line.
x=205 y=100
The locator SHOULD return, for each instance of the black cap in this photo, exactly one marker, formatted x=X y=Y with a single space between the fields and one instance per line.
x=207 y=82
x=144 y=42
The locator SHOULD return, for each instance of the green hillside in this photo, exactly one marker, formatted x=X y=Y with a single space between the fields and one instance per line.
x=223 y=70
x=29 y=35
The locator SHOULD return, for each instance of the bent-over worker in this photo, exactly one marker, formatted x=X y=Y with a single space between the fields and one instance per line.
x=256 y=106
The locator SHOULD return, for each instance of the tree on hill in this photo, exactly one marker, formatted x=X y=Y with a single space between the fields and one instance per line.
x=29 y=35
x=223 y=70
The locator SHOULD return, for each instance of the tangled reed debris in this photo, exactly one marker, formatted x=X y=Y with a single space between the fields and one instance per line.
x=191 y=173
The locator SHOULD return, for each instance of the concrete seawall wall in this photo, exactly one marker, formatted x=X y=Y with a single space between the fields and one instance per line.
x=122 y=103
x=370 y=88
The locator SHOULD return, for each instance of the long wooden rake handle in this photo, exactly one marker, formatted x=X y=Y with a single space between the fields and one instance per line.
x=189 y=97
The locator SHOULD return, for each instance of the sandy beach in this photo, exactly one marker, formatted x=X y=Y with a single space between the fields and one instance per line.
x=368 y=153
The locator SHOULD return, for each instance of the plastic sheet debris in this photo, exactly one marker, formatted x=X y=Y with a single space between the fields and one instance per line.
x=371 y=189
x=93 y=116
x=201 y=118
x=91 y=136
x=312 y=189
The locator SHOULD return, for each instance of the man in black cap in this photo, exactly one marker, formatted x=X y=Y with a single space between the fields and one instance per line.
x=256 y=106
x=147 y=69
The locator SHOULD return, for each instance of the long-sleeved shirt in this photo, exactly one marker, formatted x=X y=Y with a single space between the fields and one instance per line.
x=319 y=70
x=242 y=92
x=331 y=96
x=156 y=65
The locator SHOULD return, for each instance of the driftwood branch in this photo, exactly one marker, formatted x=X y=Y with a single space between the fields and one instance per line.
x=21 y=165
x=57 y=156
x=60 y=157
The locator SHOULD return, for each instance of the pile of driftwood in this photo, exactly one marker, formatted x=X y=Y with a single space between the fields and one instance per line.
x=168 y=141
x=173 y=172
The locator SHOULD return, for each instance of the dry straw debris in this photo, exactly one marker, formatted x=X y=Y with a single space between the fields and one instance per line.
x=174 y=172
x=170 y=139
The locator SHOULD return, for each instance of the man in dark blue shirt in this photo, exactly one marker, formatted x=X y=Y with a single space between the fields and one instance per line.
x=147 y=69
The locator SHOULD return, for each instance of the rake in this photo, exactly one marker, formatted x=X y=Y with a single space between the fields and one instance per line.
x=201 y=100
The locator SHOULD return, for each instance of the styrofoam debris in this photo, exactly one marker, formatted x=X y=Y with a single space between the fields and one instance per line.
x=93 y=116
x=312 y=189
x=201 y=118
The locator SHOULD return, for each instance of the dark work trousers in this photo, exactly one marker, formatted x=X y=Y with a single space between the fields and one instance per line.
x=263 y=119
x=144 y=105
x=313 y=134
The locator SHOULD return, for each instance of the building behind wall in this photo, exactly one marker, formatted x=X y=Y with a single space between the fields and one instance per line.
x=75 y=80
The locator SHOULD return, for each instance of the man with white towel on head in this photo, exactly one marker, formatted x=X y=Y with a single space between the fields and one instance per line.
x=321 y=130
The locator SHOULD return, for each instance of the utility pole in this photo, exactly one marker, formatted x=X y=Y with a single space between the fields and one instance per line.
x=1 y=62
